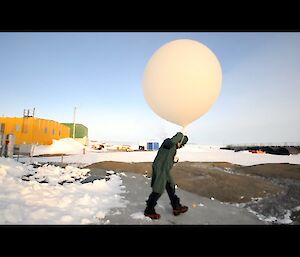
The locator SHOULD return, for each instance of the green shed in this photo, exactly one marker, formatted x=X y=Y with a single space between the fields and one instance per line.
x=81 y=131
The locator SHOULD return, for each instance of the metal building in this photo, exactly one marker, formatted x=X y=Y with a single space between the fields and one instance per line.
x=81 y=132
x=31 y=130
x=152 y=146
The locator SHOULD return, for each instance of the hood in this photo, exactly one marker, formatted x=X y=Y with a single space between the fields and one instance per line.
x=184 y=141
x=179 y=138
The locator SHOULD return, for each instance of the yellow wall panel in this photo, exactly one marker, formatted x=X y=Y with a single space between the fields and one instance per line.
x=32 y=130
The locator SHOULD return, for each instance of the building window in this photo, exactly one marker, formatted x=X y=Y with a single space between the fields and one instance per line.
x=18 y=127
x=45 y=130
x=59 y=132
x=53 y=132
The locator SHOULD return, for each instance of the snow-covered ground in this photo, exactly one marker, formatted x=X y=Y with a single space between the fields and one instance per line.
x=53 y=195
x=193 y=153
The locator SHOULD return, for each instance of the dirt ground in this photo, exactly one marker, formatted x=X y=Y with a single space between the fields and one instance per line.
x=271 y=190
x=274 y=170
x=218 y=180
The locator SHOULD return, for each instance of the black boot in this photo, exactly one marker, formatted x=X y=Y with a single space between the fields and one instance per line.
x=177 y=209
x=151 y=213
x=175 y=200
x=151 y=202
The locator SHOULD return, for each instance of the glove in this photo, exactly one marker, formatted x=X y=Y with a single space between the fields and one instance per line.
x=176 y=159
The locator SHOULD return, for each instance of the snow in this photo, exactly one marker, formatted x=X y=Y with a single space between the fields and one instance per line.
x=139 y=215
x=52 y=195
x=285 y=220
x=31 y=202
x=192 y=153
x=297 y=208
x=198 y=153
x=62 y=146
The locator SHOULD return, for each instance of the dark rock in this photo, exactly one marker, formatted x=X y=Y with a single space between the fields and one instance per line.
x=92 y=178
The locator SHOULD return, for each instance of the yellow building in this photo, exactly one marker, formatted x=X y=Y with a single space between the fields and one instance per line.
x=30 y=130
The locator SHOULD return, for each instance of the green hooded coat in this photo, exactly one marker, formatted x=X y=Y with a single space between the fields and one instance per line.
x=164 y=161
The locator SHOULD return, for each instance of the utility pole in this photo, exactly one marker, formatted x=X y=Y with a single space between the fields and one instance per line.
x=74 y=122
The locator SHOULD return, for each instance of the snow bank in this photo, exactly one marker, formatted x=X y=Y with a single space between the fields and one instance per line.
x=285 y=220
x=62 y=146
x=45 y=199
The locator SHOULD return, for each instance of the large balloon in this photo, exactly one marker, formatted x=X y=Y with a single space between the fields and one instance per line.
x=182 y=80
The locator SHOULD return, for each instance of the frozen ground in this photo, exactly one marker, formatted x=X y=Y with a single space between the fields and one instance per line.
x=54 y=195
x=202 y=211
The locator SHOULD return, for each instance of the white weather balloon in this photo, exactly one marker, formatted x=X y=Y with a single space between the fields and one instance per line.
x=182 y=80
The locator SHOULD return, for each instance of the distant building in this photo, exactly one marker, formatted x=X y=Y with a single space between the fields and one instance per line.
x=81 y=132
x=148 y=146
x=152 y=146
x=28 y=131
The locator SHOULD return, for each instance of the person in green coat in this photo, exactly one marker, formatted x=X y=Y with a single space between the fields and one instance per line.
x=161 y=177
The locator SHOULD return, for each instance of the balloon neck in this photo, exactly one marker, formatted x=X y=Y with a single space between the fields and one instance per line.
x=184 y=130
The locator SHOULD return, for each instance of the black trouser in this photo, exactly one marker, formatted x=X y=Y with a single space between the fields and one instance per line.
x=153 y=197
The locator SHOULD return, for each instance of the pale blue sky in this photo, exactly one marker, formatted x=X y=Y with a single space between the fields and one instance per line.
x=102 y=72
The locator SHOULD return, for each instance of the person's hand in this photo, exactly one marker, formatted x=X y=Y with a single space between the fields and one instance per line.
x=176 y=159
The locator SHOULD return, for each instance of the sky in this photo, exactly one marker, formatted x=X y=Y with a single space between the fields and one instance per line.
x=101 y=74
